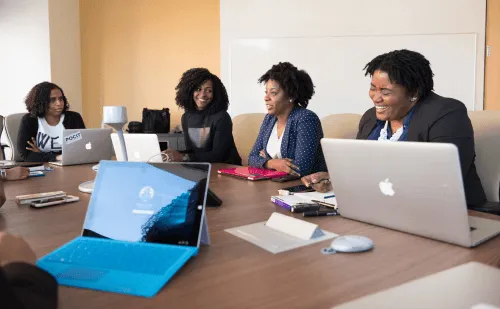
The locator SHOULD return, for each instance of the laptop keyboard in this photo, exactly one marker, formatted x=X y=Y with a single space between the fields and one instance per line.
x=116 y=255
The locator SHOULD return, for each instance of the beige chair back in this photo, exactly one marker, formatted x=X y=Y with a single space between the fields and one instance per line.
x=245 y=131
x=341 y=125
x=486 y=126
x=12 y=123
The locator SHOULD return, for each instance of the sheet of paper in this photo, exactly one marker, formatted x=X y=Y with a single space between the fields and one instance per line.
x=327 y=197
x=274 y=241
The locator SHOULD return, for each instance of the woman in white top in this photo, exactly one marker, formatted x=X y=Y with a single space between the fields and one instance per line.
x=40 y=133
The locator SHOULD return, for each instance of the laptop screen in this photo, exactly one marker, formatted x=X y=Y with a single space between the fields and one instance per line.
x=148 y=202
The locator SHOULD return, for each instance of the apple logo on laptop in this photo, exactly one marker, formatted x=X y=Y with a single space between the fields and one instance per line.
x=137 y=155
x=386 y=187
x=88 y=146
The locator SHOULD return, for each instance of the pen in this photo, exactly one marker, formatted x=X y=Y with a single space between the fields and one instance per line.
x=319 y=213
x=325 y=204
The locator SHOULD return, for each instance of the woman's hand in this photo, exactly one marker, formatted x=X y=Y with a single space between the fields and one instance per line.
x=283 y=165
x=172 y=155
x=15 y=249
x=318 y=181
x=32 y=145
x=17 y=173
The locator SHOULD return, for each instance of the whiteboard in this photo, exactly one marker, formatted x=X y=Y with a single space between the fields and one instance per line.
x=336 y=64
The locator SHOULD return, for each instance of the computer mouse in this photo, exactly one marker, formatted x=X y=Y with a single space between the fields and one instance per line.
x=95 y=167
x=352 y=243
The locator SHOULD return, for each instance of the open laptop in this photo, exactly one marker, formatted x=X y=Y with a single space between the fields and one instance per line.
x=407 y=186
x=468 y=286
x=143 y=223
x=140 y=147
x=251 y=173
x=146 y=148
x=82 y=146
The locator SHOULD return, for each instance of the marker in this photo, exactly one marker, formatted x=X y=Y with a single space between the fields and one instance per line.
x=329 y=196
x=319 y=213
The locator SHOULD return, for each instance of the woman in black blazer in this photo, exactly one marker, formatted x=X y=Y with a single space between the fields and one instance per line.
x=407 y=109
x=40 y=132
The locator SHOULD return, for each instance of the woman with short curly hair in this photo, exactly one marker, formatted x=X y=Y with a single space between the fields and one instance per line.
x=289 y=138
x=208 y=129
x=40 y=132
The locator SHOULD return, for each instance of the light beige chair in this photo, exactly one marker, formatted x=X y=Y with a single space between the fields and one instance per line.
x=486 y=126
x=245 y=131
x=341 y=125
x=12 y=123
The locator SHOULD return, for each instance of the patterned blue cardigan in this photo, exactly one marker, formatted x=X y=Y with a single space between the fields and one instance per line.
x=301 y=141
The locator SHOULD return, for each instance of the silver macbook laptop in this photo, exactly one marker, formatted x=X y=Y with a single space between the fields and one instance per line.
x=82 y=146
x=140 y=147
x=468 y=286
x=407 y=186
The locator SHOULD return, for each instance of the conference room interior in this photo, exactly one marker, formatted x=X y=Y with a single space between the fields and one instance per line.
x=107 y=53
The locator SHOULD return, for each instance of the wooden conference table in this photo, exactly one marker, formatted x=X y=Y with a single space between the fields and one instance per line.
x=232 y=273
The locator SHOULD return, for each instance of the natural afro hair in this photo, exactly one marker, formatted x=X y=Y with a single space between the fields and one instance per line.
x=191 y=80
x=296 y=83
x=38 y=99
x=405 y=68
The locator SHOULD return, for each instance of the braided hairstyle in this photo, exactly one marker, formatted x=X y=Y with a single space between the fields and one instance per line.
x=296 y=83
x=406 y=68
x=191 y=80
x=38 y=99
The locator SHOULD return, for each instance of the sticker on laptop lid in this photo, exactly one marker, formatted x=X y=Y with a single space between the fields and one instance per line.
x=74 y=137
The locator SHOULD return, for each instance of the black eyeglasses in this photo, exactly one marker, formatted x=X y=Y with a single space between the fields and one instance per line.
x=55 y=99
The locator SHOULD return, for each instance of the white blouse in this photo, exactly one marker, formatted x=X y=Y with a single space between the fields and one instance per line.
x=274 y=143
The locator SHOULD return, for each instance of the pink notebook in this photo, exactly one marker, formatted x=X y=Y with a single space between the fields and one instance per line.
x=251 y=173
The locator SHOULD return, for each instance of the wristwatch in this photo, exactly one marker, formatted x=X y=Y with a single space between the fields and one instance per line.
x=3 y=174
x=185 y=157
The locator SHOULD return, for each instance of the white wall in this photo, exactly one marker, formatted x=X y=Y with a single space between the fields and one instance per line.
x=39 y=41
x=65 y=51
x=243 y=19
x=24 y=51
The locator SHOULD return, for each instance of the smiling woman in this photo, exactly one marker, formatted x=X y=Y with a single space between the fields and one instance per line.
x=40 y=131
x=208 y=129
x=407 y=109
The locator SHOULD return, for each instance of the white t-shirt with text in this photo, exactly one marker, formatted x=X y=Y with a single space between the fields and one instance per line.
x=49 y=138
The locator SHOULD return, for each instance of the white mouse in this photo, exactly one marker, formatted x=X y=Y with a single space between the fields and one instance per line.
x=352 y=243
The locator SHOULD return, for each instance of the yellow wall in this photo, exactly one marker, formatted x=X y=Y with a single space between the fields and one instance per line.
x=492 y=68
x=135 y=51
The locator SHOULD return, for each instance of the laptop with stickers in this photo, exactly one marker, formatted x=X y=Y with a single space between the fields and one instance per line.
x=82 y=146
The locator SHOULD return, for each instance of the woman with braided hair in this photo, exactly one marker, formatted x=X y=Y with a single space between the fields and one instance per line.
x=208 y=129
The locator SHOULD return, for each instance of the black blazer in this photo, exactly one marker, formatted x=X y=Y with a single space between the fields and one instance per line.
x=29 y=128
x=441 y=120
